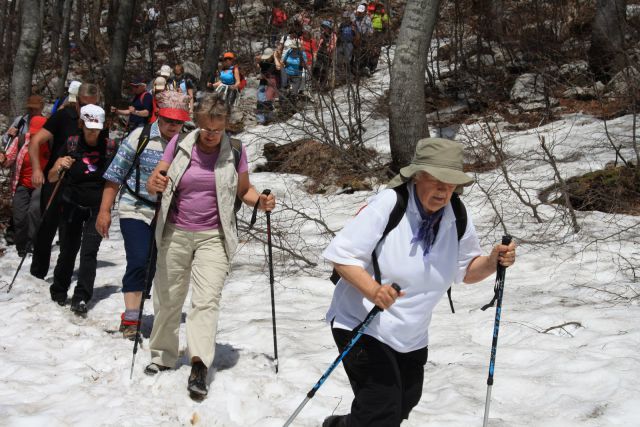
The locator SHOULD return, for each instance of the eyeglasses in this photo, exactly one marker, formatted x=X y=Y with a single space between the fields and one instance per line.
x=211 y=132
x=172 y=121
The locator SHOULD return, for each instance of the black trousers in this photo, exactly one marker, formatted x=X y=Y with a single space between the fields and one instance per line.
x=386 y=384
x=47 y=231
x=77 y=233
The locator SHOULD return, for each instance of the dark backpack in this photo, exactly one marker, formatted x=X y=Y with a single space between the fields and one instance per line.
x=402 y=193
x=346 y=34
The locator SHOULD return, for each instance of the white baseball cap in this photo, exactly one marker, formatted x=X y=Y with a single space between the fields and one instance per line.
x=165 y=71
x=74 y=87
x=361 y=8
x=92 y=116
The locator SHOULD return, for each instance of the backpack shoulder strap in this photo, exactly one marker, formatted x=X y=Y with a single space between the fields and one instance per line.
x=460 y=213
x=400 y=207
x=398 y=211
x=236 y=148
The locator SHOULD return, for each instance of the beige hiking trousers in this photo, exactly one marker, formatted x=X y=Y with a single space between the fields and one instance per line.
x=183 y=257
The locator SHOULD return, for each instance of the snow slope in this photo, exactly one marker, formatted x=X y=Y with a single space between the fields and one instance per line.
x=60 y=370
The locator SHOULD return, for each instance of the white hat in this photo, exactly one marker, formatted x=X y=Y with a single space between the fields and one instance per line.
x=74 y=87
x=92 y=116
x=160 y=83
x=268 y=53
x=361 y=8
x=165 y=71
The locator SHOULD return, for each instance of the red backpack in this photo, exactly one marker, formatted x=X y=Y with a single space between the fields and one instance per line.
x=278 y=17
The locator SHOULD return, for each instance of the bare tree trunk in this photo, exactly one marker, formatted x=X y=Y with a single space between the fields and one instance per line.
x=606 y=55
x=3 y=18
x=217 y=10
x=112 y=18
x=407 y=120
x=27 y=54
x=66 y=24
x=119 y=46
x=11 y=31
x=56 y=27
x=94 y=24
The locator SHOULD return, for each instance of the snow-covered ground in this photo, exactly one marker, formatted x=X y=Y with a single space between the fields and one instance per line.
x=59 y=370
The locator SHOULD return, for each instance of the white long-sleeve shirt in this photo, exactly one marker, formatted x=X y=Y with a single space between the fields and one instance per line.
x=404 y=326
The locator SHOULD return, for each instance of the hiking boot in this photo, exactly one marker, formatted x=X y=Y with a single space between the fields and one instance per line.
x=335 y=421
x=197 y=384
x=153 y=368
x=79 y=307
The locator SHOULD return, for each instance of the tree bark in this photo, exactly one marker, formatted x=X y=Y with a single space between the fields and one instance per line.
x=119 y=46
x=65 y=54
x=217 y=10
x=11 y=33
x=606 y=55
x=27 y=54
x=407 y=120
x=56 y=26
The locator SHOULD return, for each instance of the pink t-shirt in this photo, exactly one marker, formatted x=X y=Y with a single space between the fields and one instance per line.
x=196 y=204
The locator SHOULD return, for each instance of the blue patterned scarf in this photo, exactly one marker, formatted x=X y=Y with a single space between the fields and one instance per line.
x=426 y=230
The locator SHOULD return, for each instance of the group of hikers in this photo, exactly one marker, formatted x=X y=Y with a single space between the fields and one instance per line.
x=176 y=194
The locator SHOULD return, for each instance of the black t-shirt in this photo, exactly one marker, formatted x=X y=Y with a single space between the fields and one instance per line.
x=62 y=125
x=267 y=69
x=141 y=102
x=84 y=181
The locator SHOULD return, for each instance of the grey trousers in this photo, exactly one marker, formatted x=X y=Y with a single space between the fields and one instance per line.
x=26 y=216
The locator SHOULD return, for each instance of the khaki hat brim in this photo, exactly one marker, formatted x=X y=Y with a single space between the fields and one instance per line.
x=446 y=175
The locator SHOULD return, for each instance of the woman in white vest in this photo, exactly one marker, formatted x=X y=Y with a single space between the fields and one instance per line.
x=424 y=256
x=196 y=237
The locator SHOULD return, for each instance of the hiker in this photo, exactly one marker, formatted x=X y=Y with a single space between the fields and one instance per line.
x=288 y=41
x=347 y=37
x=197 y=237
x=324 y=58
x=20 y=125
x=295 y=61
x=380 y=24
x=159 y=86
x=140 y=107
x=362 y=46
x=184 y=83
x=309 y=44
x=25 y=205
x=424 y=256
x=83 y=160
x=227 y=80
x=72 y=97
x=127 y=175
x=55 y=133
x=267 y=87
x=278 y=22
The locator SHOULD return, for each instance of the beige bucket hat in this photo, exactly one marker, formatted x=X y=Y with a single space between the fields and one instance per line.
x=440 y=158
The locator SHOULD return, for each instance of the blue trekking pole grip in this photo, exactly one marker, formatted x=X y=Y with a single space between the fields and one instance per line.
x=365 y=323
x=499 y=289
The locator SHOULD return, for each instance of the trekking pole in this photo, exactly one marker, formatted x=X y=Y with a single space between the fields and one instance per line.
x=365 y=323
x=42 y=216
x=147 y=277
x=498 y=291
x=271 y=280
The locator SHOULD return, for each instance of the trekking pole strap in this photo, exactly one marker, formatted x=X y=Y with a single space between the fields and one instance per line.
x=499 y=285
x=254 y=215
